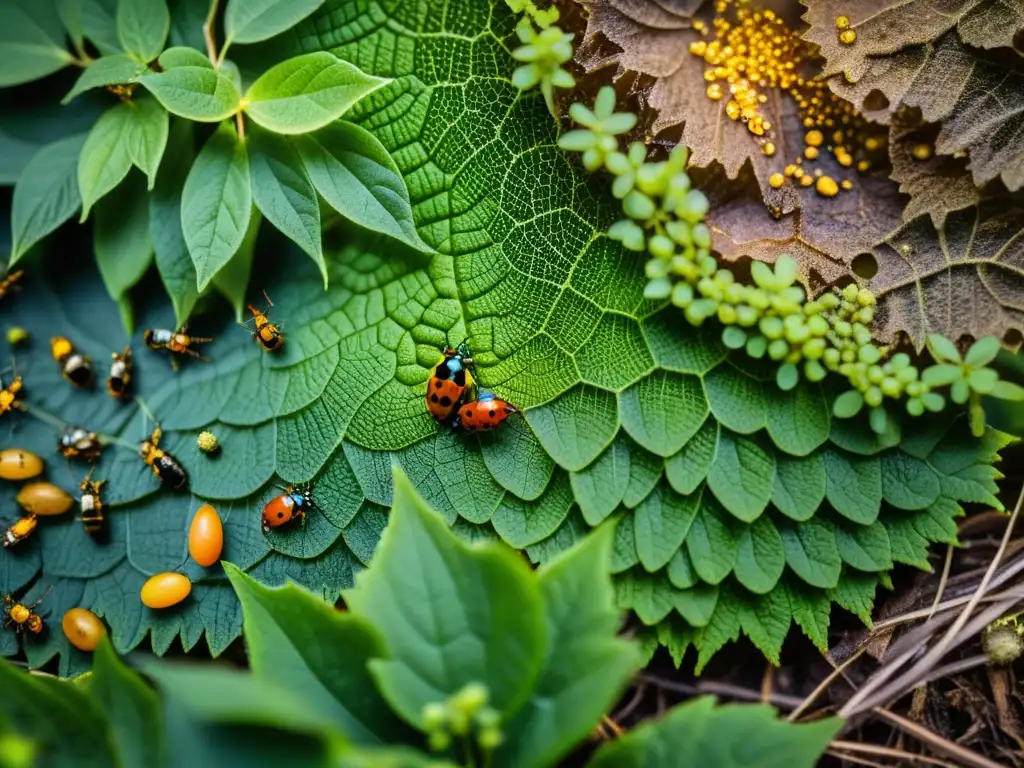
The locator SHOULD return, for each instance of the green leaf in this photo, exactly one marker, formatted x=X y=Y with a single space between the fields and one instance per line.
x=699 y=733
x=358 y=178
x=284 y=630
x=57 y=716
x=71 y=13
x=737 y=401
x=306 y=93
x=195 y=92
x=577 y=427
x=232 y=280
x=811 y=610
x=800 y=485
x=799 y=420
x=760 y=556
x=983 y=352
x=600 y=487
x=148 y=138
x=663 y=411
x=105 y=158
x=130 y=706
x=281 y=189
x=586 y=665
x=908 y=483
x=29 y=49
x=661 y=523
x=864 y=547
x=142 y=27
x=811 y=551
x=742 y=476
x=854 y=486
x=943 y=350
x=100 y=26
x=104 y=71
x=503 y=648
x=516 y=459
x=687 y=469
x=216 y=203
x=46 y=194
x=711 y=543
x=121 y=238
x=172 y=257
x=521 y=523
x=249 y=21
x=184 y=56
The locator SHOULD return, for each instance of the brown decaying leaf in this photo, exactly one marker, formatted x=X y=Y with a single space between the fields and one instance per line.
x=938 y=185
x=655 y=37
x=824 y=236
x=913 y=54
x=963 y=280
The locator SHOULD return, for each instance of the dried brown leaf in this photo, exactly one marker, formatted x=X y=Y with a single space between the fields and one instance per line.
x=937 y=185
x=654 y=37
x=965 y=279
x=913 y=54
x=824 y=236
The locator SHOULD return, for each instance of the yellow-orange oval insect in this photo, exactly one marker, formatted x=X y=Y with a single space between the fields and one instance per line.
x=165 y=590
x=17 y=464
x=206 y=536
x=44 y=499
x=83 y=629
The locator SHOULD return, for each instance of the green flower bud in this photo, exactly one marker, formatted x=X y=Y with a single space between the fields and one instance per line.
x=873 y=397
x=814 y=371
x=659 y=289
x=757 y=346
x=831 y=357
x=778 y=349
x=489 y=739
x=662 y=247
x=850 y=292
x=638 y=206
x=435 y=715
x=439 y=741
x=701 y=236
x=682 y=295
x=727 y=314
x=746 y=315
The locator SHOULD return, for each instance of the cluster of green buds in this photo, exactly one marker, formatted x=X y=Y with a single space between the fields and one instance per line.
x=545 y=48
x=463 y=715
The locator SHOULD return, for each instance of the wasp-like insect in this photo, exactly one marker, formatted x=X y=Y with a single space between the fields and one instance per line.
x=92 y=506
x=19 y=531
x=176 y=342
x=80 y=443
x=74 y=366
x=9 y=397
x=23 y=617
x=119 y=381
x=9 y=283
x=267 y=334
x=164 y=465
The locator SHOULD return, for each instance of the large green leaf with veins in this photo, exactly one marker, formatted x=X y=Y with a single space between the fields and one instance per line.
x=738 y=509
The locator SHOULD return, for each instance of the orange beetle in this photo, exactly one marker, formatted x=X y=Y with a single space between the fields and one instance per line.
x=176 y=342
x=449 y=382
x=483 y=414
x=9 y=397
x=289 y=506
x=19 y=531
x=9 y=282
x=23 y=617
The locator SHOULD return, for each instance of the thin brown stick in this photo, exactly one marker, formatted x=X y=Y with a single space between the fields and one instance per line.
x=942 y=581
x=824 y=684
x=964 y=756
x=632 y=704
x=724 y=690
x=855 y=760
x=612 y=726
x=936 y=652
x=909 y=758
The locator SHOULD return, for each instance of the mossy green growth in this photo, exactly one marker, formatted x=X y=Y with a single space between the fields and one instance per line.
x=772 y=317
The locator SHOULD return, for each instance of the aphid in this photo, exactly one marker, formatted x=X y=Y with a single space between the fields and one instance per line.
x=23 y=617
x=449 y=383
x=74 y=366
x=79 y=443
x=206 y=536
x=289 y=506
x=164 y=590
x=483 y=414
x=19 y=464
x=19 y=531
x=164 y=465
x=83 y=629
x=177 y=342
x=46 y=499
x=9 y=396
x=92 y=506
x=120 y=379
x=8 y=284
x=267 y=334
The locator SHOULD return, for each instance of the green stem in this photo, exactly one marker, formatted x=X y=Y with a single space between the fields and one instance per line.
x=208 y=32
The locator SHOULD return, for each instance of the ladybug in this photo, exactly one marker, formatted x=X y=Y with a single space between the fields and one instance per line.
x=289 y=506
x=449 y=383
x=483 y=414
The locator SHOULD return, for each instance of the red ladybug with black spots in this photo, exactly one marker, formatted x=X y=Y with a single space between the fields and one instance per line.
x=449 y=383
x=483 y=414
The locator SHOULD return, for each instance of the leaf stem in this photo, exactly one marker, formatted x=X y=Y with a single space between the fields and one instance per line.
x=240 y=125
x=208 y=32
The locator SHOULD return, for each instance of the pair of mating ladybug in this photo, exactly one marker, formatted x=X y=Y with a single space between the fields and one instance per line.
x=450 y=395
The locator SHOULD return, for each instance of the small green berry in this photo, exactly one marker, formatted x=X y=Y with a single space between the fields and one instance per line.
x=207 y=442
x=16 y=336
